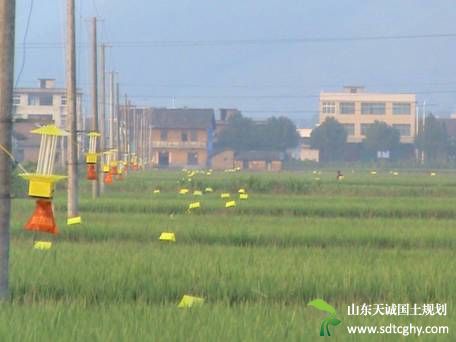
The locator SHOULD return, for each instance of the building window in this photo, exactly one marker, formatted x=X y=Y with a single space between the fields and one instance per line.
x=328 y=107
x=164 y=135
x=349 y=128
x=364 y=128
x=373 y=108
x=184 y=136
x=192 y=158
x=33 y=100
x=40 y=100
x=401 y=108
x=63 y=100
x=40 y=117
x=404 y=129
x=193 y=136
x=16 y=100
x=347 y=108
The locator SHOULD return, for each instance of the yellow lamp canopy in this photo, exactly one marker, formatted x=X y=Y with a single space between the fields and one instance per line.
x=41 y=183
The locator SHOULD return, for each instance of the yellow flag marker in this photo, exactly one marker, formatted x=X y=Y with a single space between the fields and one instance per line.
x=156 y=191
x=225 y=195
x=42 y=245
x=183 y=191
x=373 y=173
x=230 y=204
x=433 y=174
x=243 y=196
x=194 y=205
x=167 y=236
x=74 y=220
x=197 y=193
x=189 y=301
x=395 y=173
x=208 y=189
x=241 y=191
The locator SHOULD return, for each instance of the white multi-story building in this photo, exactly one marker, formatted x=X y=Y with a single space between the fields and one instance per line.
x=41 y=105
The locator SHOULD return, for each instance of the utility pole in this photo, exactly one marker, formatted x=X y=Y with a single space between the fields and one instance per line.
x=102 y=116
x=72 y=114
x=119 y=146
x=127 y=126
x=96 y=183
x=7 y=19
x=111 y=109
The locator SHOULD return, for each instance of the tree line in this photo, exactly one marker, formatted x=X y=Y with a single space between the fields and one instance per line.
x=382 y=140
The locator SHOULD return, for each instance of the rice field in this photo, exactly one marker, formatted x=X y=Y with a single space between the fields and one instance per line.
x=380 y=238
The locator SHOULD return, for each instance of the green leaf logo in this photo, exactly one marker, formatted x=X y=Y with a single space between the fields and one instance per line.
x=331 y=319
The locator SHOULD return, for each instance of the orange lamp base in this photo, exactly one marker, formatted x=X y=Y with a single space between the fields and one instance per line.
x=42 y=219
x=91 y=172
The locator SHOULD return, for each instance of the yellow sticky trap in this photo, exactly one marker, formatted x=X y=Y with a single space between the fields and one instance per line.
x=373 y=173
x=183 y=191
x=244 y=196
x=225 y=195
x=42 y=245
x=433 y=174
x=189 y=301
x=209 y=190
x=74 y=220
x=166 y=236
x=230 y=204
x=191 y=174
x=208 y=173
x=317 y=178
x=241 y=191
x=341 y=177
x=197 y=193
x=194 y=205
x=156 y=191
x=395 y=173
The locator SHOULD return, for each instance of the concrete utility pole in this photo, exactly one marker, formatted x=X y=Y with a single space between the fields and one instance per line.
x=7 y=17
x=111 y=109
x=96 y=183
x=102 y=116
x=127 y=125
x=119 y=146
x=72 y=114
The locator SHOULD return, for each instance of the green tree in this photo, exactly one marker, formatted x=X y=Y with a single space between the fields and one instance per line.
x=243 y=134
x=330 y=139
x=381 y=137
x=433 y=140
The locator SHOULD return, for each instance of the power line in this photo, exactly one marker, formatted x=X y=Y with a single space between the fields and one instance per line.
x=228 y=42
x=24 y=41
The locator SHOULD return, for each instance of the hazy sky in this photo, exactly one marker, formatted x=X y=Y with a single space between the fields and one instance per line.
x=260 y=79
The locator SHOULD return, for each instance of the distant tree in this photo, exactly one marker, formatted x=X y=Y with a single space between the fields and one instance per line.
x=433 y=140
x=381 y=137
x=243 y=134
x=330 y=139
x=278 y=134
x=237 y=134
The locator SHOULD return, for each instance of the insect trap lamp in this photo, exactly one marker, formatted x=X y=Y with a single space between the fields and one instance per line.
x=42 y=182
x=92 y=156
